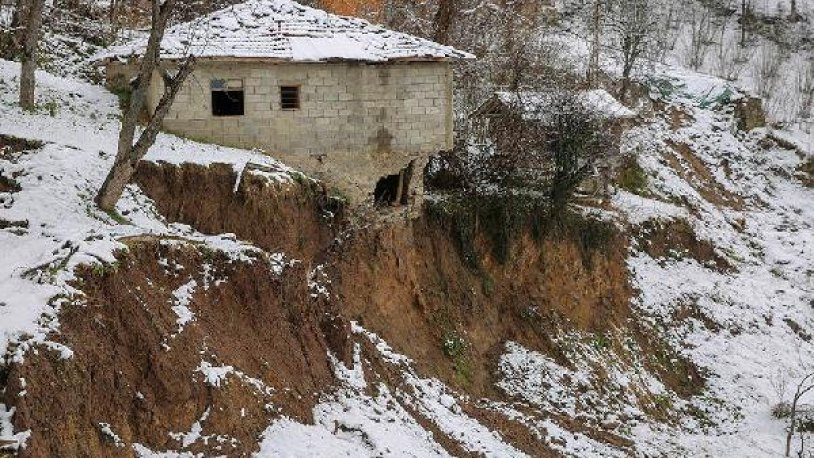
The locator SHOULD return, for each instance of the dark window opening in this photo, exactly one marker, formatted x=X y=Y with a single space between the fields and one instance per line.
x=290 y=97
x=228 y=98
x=387 y=190
x=394 y=189
x=227 y=103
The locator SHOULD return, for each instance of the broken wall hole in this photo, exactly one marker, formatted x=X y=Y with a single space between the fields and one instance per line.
x=394 y=189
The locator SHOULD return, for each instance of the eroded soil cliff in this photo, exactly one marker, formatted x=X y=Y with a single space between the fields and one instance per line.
x=177 y=346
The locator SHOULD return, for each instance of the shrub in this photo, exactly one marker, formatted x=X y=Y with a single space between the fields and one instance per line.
x=631 y=176
x=502 y=219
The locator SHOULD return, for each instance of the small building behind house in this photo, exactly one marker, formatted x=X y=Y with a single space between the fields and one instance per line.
x=355 y=104
x=534 y=107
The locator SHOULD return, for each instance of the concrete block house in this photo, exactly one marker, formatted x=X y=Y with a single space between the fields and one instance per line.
x=358 y=105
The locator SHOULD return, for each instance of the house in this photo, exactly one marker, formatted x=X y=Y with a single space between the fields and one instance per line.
x=356 y=104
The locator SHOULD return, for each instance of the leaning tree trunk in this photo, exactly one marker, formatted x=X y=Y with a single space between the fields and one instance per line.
x=29 y=54
x=593 y=62
x=129 y=154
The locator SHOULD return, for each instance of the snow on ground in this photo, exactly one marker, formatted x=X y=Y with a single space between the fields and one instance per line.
x=353 y=422
x=55 y=225
x=772 y=284
x=65 y=228
x=181 y=299
x=58 y=181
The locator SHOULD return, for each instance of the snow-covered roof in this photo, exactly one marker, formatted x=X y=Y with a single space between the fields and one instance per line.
x=535 y=103
x=285 y=30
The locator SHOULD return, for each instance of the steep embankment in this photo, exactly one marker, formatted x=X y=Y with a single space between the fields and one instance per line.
x=408 y=282
x=193 y=349
x=156 y=341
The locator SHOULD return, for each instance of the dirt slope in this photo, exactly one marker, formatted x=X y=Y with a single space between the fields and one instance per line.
x=182 y=336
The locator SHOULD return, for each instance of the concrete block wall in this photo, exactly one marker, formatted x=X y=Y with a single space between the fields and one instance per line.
x=357 y=122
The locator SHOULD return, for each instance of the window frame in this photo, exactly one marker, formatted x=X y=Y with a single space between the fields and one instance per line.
x=227 y=85
x=298 y=91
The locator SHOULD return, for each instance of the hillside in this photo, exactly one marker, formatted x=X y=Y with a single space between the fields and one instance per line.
x=233 y=305
x=235 y=310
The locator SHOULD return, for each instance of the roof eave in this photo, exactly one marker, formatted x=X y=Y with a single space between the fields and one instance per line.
x=123 y=59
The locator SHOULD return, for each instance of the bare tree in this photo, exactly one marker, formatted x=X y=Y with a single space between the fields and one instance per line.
x=443 y=20
x=805 y=85
x=596 y=32
x=129 y=154
x=794 y=14
x=28 y=56
x=632 y=24
x=745 y=20
x=803 y=387
x=766 y=70
x=668 y=30
x=701 y=35
x=542 y=143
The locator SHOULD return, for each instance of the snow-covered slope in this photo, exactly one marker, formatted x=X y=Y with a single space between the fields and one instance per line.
x=52 y=222
x=762 y=307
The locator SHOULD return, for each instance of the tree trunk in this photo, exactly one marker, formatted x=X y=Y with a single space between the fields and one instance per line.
x=593 y=64
x=129 y=154
x=29 y=54
x=743 y=23
x=795 y=15
x=113 y=187
x=443 y=20
x=790 y=432
x=113 y=19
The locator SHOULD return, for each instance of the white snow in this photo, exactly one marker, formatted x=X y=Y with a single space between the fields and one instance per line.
x=772 y=281
x=354 y=423
x=182 y=296
x=18 y=440
x=535 y=104
x=64 y=226
x=194 y=433
x=214 y=376
x=106 y=430
x=753 y=353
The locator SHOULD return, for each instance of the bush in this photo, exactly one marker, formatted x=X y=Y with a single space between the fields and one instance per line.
x=502 y=219
x=631 y=176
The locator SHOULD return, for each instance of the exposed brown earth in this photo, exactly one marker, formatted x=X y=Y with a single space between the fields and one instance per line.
x=805 y=172
x=688 y=166
x=677 y=239
x=407 y=282
x=133 y=369
x=11 y=145
x=297 y=218
x=411 y=286
x=8 y=184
